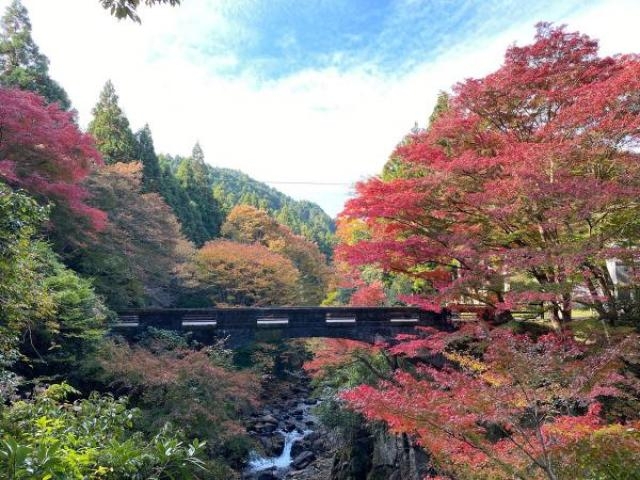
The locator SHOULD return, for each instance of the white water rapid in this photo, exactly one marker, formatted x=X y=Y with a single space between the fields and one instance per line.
x=282 y=462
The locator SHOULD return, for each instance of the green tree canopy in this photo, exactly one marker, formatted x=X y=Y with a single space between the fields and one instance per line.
x=129 y=8
x=110 y=128
x=192 y=174
x=146 y=153
x=21 y=63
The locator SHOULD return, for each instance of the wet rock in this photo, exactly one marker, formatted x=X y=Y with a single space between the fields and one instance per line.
x=320 y=446
x=303 y=459
x=265 y=428
x=272 y=445
x=269 y=418
x=313 y=436
x=268 y=475
x=354 y=460
x=320 y=469
x=298 y=447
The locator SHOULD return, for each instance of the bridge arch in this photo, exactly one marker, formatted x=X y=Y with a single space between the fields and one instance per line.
x=245 y=325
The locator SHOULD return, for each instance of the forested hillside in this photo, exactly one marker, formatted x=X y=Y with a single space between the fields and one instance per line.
x=232 y=187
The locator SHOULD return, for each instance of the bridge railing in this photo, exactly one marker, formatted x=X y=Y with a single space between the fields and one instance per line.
x=276 y=317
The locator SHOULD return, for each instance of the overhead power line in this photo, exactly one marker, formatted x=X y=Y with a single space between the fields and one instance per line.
x=293 y=182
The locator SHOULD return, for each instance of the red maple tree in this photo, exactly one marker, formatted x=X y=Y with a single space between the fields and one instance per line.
x=521 y=189
x=43 y=151
x=503 y=406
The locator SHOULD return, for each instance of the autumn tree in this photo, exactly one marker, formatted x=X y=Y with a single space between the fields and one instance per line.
x=474 y=402
x=133 y=261
x=366 y=284
x=231 y=273
x=43 y=152
x=110 y=128
x=247 y=224
x=21 y=63
x=178 y=384
x=521 y=188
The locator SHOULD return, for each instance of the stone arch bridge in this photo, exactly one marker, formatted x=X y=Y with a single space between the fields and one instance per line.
x=242 y=326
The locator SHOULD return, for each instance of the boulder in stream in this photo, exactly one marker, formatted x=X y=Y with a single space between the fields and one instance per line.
x=303 y=459
x=273 y=445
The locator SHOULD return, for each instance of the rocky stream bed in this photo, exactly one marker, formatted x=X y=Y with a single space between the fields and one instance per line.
x=295 y=445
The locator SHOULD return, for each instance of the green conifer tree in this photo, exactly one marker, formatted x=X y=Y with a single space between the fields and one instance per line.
x=441 y=107
x=146 y=153
x=110 y=128
x=193 y=175
x=21 y=63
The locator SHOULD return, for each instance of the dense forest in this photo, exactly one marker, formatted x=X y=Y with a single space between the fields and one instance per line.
x=514 y=211
x=93 y=222
x=232 y=187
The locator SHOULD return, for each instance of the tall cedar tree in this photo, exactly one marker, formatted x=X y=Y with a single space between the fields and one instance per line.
x=522 y=189
x=21 y=63
x=43 y=152
x=192 y=173
x=176 y=197
x=110 y=128
x=146 y=153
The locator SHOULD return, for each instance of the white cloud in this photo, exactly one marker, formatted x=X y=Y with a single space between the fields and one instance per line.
x=322 y=125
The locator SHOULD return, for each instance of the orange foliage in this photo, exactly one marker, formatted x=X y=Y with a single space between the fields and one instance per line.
x=247 y=224
x=239 y=274
x=142 y=235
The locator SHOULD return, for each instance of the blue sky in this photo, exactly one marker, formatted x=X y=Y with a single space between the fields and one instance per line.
x=297 y=90
x=277 y=38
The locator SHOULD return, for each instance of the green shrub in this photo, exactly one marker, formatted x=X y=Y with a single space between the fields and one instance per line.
x=51 y=438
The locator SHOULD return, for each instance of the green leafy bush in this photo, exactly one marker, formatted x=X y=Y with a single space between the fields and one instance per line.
x=50 y=318
x=51 y=438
